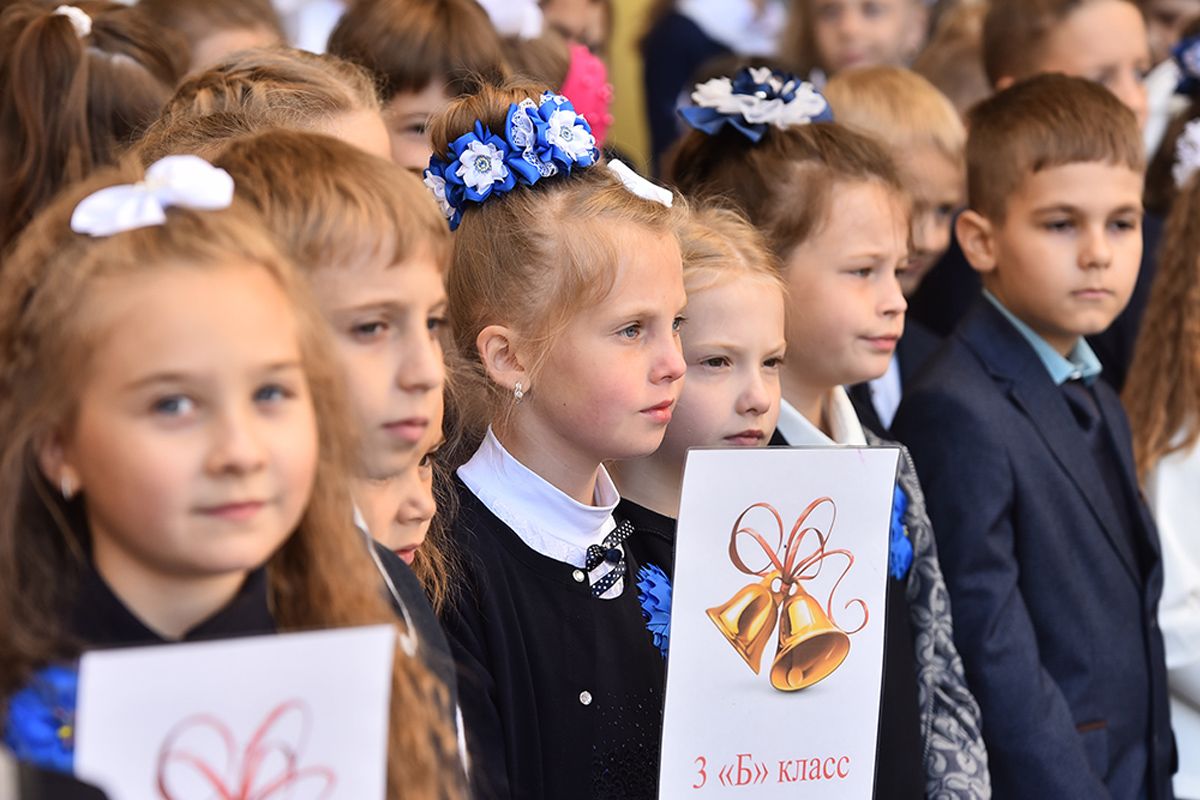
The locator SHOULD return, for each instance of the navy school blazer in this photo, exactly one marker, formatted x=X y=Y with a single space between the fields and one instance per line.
x=1054 y=610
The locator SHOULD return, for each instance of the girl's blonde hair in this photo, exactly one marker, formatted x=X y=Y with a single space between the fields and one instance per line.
x=533 y=258
x=331 y=204
x=320 y=577
x=1162 y=392
x=720 y=245
x=70 y=104
x=270 y=88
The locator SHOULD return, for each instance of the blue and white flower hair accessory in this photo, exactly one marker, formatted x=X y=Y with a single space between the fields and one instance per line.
x=1187 y=154
x=754 y=99
x=174 y=181
x=1187 y=56
x=40 y=728
x=541 y=139
x=79 y=18
x=643 y=188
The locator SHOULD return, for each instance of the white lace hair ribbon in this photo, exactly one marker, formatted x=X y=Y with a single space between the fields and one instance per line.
x=174 y=181
x=1187 y=153
x=639 y=185
x=80 y=20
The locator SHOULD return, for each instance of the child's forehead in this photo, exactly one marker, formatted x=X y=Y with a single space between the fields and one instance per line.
x=1078 y=183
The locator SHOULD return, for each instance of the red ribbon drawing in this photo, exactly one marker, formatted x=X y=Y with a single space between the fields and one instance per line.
x=794 y=568
x=242 y=776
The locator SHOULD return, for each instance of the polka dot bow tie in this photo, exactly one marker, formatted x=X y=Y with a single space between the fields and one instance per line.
x=609 y=550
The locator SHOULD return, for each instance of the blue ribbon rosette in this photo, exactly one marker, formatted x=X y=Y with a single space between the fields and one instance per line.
x=540 y=140
x=40 y=728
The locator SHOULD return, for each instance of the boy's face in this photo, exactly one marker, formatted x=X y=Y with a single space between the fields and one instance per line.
x=407 y=115
x=1103 y=41
x=936 y=184
x=860 y=33
x=847 y=310
x=1066 y=256
x=1165 y=21
x=386 y=321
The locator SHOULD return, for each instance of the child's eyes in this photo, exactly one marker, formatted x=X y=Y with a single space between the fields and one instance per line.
x=175 y=405
x=631 y=331
x=775 y=362
x=1125 y=224
x=368 y=330
x=272 y=393
x=945 y=211
x=678 y=323
x=715 y=362
x=436 y=324
x=861 y=272
x=1058 y=225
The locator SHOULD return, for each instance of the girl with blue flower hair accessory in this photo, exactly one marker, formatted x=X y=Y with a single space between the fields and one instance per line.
x=835 y=213
x=752 y=100
x=567 y=293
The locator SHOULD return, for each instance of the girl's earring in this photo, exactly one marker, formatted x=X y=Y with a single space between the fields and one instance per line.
x=518 y=392
x=67 y=487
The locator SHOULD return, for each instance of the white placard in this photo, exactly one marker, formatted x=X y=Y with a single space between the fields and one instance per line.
x=727 y=730
x=293 y=716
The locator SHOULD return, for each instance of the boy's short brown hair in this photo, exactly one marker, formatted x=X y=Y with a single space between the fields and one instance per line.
x=409 y=44
x=1046 y=121
x=1014 y=32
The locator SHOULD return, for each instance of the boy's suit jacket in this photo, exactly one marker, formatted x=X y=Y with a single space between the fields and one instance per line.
x=1054 y=616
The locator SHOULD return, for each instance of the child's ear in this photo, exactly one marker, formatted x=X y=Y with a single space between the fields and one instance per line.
x=52 y=461
x=975 y=236
x=498 y=349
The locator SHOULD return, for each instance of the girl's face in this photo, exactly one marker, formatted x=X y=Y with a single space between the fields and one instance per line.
x=387 y=320
x=195 y=440
x=1103 y=41
x=866 y=33
x=407 y=115
x=847 y=308
x=733 y=344
x=608 y=385
x=415 y=500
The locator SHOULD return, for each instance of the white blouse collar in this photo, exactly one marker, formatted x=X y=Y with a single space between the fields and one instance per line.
x=847 y=430
x=545 y=518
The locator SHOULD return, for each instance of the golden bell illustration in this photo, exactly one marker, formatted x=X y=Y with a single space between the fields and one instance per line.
x=747 y=620
x=810 y=646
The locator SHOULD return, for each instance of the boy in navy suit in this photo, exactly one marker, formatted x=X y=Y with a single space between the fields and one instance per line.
x=1051 y=558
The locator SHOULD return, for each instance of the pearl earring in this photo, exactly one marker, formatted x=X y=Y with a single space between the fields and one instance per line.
x=518 y=392
x=67 y=487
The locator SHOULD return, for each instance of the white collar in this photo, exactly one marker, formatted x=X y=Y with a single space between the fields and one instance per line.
x=847 y=430
x=546 y=519
x=739 y=25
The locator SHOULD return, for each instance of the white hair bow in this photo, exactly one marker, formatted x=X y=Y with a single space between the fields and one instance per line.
x=1187 y=153
x=180 y=181
x=79 y=18
x=640 y=186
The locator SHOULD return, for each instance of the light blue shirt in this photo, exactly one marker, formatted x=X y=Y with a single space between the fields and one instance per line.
x=1080 y=364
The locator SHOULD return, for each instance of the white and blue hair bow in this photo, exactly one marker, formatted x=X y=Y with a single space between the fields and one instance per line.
x=753 y=100
x=175 y=181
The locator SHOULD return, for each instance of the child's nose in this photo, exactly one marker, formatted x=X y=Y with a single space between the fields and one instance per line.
x=421 y=367
x=755 y=398
x=237 y=446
